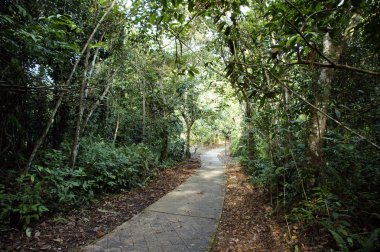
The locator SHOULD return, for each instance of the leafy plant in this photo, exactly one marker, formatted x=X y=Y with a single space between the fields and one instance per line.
x=24 y=206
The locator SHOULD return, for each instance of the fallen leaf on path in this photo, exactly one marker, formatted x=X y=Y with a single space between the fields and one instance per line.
x=100 y=234
x=58 y=240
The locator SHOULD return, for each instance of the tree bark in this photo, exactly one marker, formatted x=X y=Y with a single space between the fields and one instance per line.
x=165 y=133
x=164 y=144
x=83 y=95
x=188 y=136
x=249 y=129
x=75 y=144
x=116 y=129
x=322 y=98
x=143 y=111
x=321 y=101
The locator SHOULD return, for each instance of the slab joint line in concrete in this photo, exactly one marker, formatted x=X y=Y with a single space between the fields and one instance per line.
x=185 y=215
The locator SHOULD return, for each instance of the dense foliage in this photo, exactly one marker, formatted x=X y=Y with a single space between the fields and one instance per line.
x=95 y=96
x=308 y=75
x=82 y=110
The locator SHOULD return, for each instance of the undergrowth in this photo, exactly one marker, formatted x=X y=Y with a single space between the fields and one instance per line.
x=51 y=185
x=340 y=212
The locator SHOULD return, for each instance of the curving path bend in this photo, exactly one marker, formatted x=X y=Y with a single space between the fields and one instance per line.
x=183 y=220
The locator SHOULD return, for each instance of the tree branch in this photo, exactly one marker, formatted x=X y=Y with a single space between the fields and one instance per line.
x=336 y=66
x=297 y=9
x=323 y=113
x=308 y=43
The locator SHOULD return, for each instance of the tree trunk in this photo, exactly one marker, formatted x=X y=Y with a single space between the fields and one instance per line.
x=321 y=101
x=60 y=99
x=322 y=98
x=164 y=144
x=249 y=129
x=75 y=144
x=143 y=111
x=82 y=99
x=165 y=133
x=116 y=129
x=188 y=132
x=96 y=104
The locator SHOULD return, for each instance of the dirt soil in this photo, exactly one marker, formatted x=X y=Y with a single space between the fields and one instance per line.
x=246 y=223
x=68 y=231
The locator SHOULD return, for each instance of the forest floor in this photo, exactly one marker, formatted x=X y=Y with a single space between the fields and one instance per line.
x=67 y=231
x=246 y=223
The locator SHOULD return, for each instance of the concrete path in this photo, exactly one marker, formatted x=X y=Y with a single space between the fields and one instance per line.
x=183 y=220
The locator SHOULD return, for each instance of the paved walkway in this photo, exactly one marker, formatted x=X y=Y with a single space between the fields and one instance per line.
x=183 y=220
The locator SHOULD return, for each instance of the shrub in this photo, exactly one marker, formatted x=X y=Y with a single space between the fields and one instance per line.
x=118 y=168
x=54 y=185
x=176 y=149
x=22 y=207
x=66 y=187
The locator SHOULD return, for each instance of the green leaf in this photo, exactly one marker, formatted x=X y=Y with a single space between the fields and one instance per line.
x=339 y=241
x=318 y=7
x=6 y=18
x=181 y=18
x=152 y=18
x=337 y=113
x=42 y=209
x=98 y=44
x=194 y=69
x=370 y=242
x=292 y=41
x=166 y=17
x=350 y=241
x=28 y=232
x=21 y=10
x=34 y=207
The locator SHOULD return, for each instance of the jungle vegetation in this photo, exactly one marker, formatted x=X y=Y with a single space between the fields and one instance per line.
x=97 y=95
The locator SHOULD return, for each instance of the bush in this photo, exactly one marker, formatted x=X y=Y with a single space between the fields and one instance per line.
x=66 y=186
x=118 y=168
x=22 y=207
x=101 y=168
x=176 y=149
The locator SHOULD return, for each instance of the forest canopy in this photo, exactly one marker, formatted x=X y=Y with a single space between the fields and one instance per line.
x=97 y=96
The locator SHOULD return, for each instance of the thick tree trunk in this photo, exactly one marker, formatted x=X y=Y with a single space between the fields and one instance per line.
x=321 y=101
x=322 y=98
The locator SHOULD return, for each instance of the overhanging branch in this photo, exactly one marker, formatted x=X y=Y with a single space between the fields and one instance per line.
x=336 y=66
x=303 y=99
